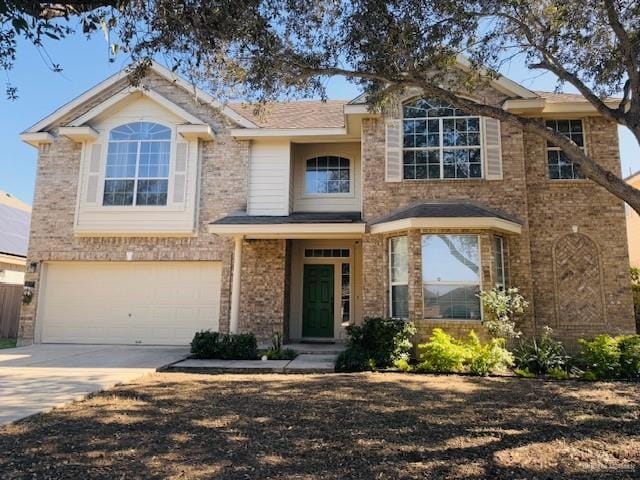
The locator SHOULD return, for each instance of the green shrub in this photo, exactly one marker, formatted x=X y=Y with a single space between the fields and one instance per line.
x=208 y=344
x=276 y=352
x=601 y=356
x=353 y=359
x=402 y=365
x=558 y=374
x=629 y=347
x=441 y=354
x=444 y=354
x=524 y=373
x=377 y=343
x=541 y=355
x=205 y=344
x=490 y=357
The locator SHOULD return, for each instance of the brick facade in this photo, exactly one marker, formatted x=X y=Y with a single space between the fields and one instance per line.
x=222 y=190
x=549 y=210
x=568 y=228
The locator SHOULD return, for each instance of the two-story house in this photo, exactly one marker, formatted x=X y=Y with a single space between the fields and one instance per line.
x=159 y=212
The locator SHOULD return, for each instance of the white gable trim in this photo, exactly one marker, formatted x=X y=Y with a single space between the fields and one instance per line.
x=113 y=79
x=126 y=93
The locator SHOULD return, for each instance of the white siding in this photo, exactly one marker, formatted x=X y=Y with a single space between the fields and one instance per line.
x=350 y=202
x=269 y=172
x=176 y=218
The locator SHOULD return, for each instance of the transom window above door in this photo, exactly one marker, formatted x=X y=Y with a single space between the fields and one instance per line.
x=137 y=167
x=327 y=174
x=440 y=141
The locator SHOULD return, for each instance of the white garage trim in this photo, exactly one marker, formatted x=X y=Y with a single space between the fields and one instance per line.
x=143 y=303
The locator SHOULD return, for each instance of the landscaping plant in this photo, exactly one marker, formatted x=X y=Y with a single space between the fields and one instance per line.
x=600 y=357
x=445 y=354
x=276 y=352
x=540 y=356
x=441 y=354
x=610 y=357
x=502 y=308
x=376 y=344
x=208 y=344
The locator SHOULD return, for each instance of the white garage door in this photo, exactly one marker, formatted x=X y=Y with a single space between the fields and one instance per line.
x=152 y=303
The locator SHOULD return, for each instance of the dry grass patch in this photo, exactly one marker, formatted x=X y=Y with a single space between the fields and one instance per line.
x=361 y=426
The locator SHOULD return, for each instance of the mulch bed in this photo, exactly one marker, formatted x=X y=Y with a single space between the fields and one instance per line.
x=361 y=426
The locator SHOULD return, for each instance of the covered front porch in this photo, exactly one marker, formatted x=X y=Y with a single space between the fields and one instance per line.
x=297 y=275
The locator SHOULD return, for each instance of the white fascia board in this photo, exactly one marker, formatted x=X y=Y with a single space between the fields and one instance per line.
x=359 y=110
x=35 y=139
x=193 y=132
x=113 y=79
x=290 y=230
x=287 y=132
x=541 y=106
x=490 y=223
x=78 y=134
x=13 y=259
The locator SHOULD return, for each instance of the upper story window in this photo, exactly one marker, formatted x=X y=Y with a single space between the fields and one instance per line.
x=440 y=141
x=137 y=171
x=560 y=167
x=327 y=174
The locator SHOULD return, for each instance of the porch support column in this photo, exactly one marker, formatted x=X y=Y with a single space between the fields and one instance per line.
x=234 y=317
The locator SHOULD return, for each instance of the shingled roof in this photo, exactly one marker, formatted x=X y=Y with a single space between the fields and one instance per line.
x=299 y=114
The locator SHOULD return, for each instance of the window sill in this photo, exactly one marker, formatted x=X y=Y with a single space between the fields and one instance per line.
x=443 y=180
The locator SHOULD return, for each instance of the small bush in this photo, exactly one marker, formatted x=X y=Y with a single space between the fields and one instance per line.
x=444 y=354
x=353 y=359
x=208 y=344
x=283 y=354
x=524 y=373
x=441 y=354
x=600 y=356
x=502 y=308
x=402 y=365
x=541 y=355
x=485 y=359
x=205 y=344
x=558 y=374
x=377 y=343
x=630 y=356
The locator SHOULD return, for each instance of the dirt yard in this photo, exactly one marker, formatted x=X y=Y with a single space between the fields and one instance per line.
x=363 y=426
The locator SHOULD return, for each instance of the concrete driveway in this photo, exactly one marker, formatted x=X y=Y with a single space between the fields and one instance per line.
x=39 y=377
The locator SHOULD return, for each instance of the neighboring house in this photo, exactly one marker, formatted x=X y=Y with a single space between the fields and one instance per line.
x=159 y=211
x=633 y=225
x=14 y=238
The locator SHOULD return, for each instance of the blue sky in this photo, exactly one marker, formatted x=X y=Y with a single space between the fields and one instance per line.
x=86 y=62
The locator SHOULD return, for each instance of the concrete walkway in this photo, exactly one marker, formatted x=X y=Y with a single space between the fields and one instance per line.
x=40 y=377
x=304 y=363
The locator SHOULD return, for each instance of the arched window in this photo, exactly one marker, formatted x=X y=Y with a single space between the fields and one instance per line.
x=137 y=171
x=327 y=174
x=440 y=141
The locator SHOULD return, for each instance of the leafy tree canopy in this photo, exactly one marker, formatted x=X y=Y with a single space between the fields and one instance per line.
x=271 y=49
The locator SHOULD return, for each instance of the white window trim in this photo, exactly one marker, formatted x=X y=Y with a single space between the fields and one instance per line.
x=555 y=148
x=103 y=174
x=441 y=148
x=395 y=284
x=479 y=283
x=504 y=273
x=307 y=195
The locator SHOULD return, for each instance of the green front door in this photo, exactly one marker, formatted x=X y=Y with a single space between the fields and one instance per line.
x=317 y=301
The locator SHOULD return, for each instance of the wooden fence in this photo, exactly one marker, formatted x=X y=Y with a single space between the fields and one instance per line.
x=10 y=301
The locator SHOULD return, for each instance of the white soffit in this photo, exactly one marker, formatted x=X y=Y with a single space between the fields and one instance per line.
x=35 y=139
x=78 y=134
x=196 y=131
x=489 y=223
